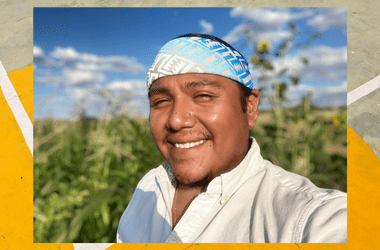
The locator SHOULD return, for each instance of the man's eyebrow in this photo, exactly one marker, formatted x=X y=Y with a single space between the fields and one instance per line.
x=188 y=85
x=155 y=91
x=202 y=83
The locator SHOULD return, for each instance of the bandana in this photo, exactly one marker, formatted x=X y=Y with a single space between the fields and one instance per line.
x=199 y=55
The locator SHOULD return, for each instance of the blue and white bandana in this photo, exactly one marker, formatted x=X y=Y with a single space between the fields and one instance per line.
x=199 y=55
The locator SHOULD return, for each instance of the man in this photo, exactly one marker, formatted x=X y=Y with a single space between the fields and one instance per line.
x=215 y=186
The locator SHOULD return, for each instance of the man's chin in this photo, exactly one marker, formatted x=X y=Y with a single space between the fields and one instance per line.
x=190 y=178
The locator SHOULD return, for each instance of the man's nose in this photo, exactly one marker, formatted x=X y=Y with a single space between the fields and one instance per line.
x=181 y=115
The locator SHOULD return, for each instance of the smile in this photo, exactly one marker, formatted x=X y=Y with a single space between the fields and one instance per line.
x=189 y=144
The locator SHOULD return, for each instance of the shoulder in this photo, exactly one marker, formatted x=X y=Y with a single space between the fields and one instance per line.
x=148 y=183
x=294 y=184
x=326 y=220
x=319 y=215
x=140 y=204
x=146 y=190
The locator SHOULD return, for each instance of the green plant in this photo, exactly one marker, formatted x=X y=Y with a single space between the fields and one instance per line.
x=295 y=139
x=85 y=173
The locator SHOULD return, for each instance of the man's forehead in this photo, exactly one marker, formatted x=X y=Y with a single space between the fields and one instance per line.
x=188 y=81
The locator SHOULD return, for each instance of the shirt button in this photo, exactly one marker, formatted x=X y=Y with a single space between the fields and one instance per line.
x=225 y=198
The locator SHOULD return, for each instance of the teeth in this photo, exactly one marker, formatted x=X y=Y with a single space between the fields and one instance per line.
x=189 y=145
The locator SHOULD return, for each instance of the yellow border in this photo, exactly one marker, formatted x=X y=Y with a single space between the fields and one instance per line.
x=16 y=189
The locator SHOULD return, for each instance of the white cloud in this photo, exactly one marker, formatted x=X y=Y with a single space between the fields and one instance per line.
x=255 y=35
x=325 y=63
x=136 y=87
x=264 y=23
x=53 y=81
x=337 y=89
x=273 y=36
x=207 y=27
x=319 y=90
x=235 y=34
x=38 y=56
x=66 y=54
x=81 y=93
x=291 y=63
x=74 y=71
x=91 y=62
x=268 y=18
x=88 y=66
x=120 y=86
x=132 y=92
x=239 y=32
x=38 y=52
x=122 y=64
x=69 y=77
x=329 y=17
x=81 y=77
x=331 y=96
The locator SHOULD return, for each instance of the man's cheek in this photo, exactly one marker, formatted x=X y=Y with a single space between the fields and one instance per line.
x=214 y=117
x=154 y=122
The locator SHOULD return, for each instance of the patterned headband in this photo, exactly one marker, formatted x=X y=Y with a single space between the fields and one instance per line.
x=199 y=55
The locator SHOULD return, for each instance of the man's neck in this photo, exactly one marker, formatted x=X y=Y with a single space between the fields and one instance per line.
x=185 y=194
x=183 y=197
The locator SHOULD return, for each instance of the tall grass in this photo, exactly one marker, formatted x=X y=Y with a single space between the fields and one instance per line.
x=85 y=171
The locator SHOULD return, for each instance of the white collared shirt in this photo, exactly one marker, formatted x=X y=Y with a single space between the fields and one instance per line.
x=255 y=202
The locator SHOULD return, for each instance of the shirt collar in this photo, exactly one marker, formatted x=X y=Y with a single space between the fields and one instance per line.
x=233 y=179
x=225 y=184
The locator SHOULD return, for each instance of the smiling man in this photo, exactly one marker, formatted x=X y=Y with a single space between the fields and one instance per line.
x=215 y=186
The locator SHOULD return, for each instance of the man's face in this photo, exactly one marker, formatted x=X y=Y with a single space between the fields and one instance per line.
x=199 y=126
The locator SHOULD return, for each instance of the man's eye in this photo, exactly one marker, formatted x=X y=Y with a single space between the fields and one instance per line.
x=158 y=103
x=204 y=97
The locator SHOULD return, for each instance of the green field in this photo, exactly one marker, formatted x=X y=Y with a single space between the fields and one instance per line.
x=85 y=171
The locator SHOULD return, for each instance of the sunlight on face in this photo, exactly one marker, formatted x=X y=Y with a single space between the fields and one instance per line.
x=198 y=125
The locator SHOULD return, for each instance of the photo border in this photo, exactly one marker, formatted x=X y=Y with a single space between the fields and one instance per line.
x=16 y=184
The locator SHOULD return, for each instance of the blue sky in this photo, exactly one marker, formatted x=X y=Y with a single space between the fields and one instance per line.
x=80 y=52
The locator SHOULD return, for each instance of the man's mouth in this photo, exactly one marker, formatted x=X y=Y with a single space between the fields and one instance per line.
x=188 y=144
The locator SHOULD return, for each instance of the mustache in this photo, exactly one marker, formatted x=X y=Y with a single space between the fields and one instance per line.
x=191 y=133
x=188 y=134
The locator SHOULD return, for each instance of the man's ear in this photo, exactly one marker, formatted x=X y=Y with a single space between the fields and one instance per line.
x=253 y=107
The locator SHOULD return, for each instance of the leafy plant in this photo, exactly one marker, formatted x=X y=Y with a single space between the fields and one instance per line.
x=85 y=173
x=296 y=139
